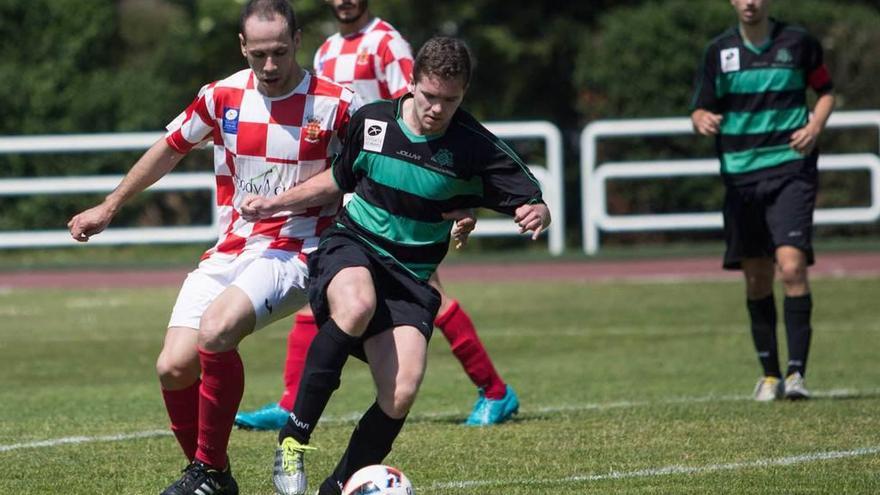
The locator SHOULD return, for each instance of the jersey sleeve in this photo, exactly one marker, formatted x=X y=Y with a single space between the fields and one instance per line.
x=818 y=76
x=396 y=65
x=507 y=181
x=194 y=124
x=343 y=165
x=704 y=82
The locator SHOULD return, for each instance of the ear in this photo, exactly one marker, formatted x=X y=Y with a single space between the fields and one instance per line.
x=243 y=44
x=297 y=39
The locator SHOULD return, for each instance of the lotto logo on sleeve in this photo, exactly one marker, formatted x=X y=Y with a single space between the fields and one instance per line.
x=230 y=120
x=374 y=134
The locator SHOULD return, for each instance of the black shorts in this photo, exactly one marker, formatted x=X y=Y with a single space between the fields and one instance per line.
x=401 y=298
x=760 y=217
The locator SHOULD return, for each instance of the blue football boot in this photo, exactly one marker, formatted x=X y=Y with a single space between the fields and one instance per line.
x=269 y=417
x=491 y=411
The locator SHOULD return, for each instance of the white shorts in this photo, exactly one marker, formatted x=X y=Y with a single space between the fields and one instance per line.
x=274 y=281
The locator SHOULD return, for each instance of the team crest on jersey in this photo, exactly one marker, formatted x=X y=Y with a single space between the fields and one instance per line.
x=443 y=158
x=374 y=134
x=312 y=129
x=230 y=120
x=363 y=57
x=783 y=56
x=730 y=59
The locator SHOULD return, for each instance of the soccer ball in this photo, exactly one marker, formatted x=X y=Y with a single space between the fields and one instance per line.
x=378 y=480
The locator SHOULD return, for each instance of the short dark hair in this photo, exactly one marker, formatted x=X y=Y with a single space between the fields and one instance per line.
x=266 y=10
x=443 y=57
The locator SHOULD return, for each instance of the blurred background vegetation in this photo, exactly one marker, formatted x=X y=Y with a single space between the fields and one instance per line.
x=74 y=66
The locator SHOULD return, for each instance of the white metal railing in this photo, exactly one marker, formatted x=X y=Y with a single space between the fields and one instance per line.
x=595 y=176
x=550 y=177
x=102 y=184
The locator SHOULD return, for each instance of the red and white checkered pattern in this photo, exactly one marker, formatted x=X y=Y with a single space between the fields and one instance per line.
x=376 y=62
x=264 y=146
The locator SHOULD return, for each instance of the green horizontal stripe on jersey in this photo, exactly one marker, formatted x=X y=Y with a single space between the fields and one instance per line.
x=738 y=123
x=395 y=228
x=409 y=177
x=759 y=81
x=422 y=271
x=740 y=162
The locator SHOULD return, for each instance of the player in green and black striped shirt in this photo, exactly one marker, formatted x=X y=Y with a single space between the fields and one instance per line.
x=751 y=95
x=409 y=162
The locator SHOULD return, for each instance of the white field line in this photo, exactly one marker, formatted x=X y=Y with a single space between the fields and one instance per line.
x=353 y=417
x=665 y=471
x=74 y=440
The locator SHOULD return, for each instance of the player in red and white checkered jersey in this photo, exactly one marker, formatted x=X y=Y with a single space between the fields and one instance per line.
x=273 y=126
x=263 y=145
x=370 y=56
x=367 y=54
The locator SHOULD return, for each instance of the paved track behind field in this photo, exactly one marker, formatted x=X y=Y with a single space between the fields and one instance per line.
x=704 y=268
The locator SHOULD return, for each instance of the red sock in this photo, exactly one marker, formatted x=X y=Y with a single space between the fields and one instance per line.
x=459 y=330
x=183 y=411
x=298 y=341
x=219 y=396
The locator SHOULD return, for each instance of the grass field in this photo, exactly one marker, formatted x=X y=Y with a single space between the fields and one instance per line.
x=625 y=388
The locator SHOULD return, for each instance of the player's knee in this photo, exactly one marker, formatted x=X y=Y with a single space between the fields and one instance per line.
x=217 y=334
x=355 y=312
x=759 y=286
x=175 y=373
x=792 y=273
x=404 y=395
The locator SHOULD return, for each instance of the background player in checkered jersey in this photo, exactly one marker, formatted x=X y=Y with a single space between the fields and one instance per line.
x=408 y=162
x=256 y=272
x=369 y=56
x=751 y=95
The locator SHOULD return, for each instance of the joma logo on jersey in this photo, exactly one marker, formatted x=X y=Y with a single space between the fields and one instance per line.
x=412 y=156
x=312 y=129
x=443 y=157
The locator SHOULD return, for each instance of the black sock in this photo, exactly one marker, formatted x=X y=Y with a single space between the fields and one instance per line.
x=762 y=313
x=330 y=487
x=370 y=442
x=798 y=330
x=324 y=361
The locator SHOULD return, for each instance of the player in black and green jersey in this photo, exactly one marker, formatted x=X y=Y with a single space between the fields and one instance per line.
x=751 y=95
x=416 y=165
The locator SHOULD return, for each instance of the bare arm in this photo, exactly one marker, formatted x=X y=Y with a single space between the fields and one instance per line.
x=804 y=139
x=152 y=166
x=317 y=191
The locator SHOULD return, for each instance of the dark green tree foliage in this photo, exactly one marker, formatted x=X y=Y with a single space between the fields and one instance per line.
x=73 y=66
x=640 y=62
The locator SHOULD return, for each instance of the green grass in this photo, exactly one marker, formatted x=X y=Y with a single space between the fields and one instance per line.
x=613 y=378
x=158 y=256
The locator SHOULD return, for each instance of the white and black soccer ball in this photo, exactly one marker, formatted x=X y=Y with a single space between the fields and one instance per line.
x=378 y=479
